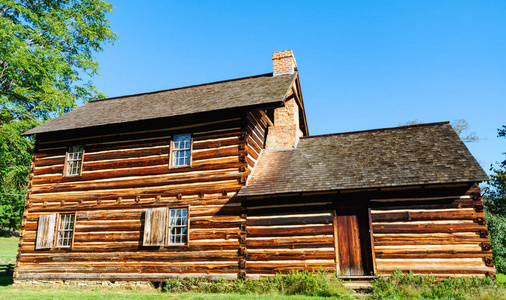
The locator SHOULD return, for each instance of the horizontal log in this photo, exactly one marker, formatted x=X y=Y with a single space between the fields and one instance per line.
x=468 y=214
x=300 y=255
x=141 y=181
x=127 y=145
x=185 y=189
x=129 y=268
x=58 y=160
x=289 y=231
x=427 y=239
x=79 y=227
x=161 y=276
x=435 y=265
x=232 y=234
x=217 y=152
x=125 y=163
x=137 y=247
x=215 y=223
x=433 y=254
x=299 y=220
x=290 y=243
x=48 y=170
x=427 y=228
x=431 y=251
x=137 y=153
x=199 y=207
x=217 y=143
x=453 y=203
x=110 y=203
x=216 y=211
x=199 y=137
x=131 y=257
x=105 y=237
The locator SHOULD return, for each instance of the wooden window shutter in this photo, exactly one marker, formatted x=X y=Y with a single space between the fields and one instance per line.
x=45 y=232
x=154 y=226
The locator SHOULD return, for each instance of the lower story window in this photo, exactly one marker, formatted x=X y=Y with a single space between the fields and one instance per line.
x=65 y=230
x=178 y=226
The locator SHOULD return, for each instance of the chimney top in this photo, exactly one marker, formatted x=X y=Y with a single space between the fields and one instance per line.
x=283 y=62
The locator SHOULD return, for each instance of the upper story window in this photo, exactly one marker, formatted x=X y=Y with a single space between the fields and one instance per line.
x=65 y=230
x=74 y=164
x=181 y=150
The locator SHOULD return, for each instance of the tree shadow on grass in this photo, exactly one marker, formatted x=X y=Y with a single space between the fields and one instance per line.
x=5 y=280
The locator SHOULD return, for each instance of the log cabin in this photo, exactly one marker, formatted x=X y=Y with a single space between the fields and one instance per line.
x=223 y=180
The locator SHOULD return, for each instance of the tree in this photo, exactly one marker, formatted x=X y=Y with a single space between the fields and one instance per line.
x=46 y=49
x=495 y=201
x=460 y=126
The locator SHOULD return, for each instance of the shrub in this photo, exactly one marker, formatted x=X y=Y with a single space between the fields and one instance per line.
x=314 y=283
x=496 y=224
x=408 y=286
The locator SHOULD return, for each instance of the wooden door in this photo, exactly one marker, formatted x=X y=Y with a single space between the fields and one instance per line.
x=354 y=246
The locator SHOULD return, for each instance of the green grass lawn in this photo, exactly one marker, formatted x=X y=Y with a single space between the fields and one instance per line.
x=9 y=292
x=8 y=250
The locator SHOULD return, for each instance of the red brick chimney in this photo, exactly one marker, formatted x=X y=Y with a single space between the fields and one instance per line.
x=283 y=62
x=285 y=132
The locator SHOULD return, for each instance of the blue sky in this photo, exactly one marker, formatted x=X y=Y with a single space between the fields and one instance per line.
x=362 y=64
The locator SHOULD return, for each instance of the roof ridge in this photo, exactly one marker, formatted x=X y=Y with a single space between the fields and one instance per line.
x=377 y=129
x=183 y=87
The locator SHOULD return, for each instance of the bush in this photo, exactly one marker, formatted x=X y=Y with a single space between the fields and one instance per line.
x=408 y=286
x=496 y=224
x=315 y=283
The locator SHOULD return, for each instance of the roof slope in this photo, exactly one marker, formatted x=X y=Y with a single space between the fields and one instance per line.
x=408 y=155
x=248 y=91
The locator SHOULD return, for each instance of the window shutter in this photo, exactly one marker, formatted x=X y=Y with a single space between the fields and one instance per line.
x=154 y=226
x=45 y=232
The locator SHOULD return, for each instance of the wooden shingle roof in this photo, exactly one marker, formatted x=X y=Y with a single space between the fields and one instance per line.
x=242 y=92
x=401 y=156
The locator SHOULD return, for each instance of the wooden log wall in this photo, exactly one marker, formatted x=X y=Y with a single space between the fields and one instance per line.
x=285 y=233
x=444 y=235
x=124 y=174
x=256 y=129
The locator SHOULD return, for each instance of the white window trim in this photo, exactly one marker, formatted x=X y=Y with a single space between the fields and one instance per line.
x=67 y=168
x=60 y=230
x=173 y=150
x=169 y=226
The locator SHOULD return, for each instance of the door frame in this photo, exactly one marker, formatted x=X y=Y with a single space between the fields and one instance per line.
x=367 y=210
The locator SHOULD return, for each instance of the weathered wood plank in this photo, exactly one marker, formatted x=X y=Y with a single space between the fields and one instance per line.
x=289 y=231
x=427 y=228
x=408 y=215
x=299 y=220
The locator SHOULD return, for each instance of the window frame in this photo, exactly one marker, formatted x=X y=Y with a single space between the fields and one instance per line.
x=173 y=150
x=52 y=231
x=67 y=161
x=58 y=229
x=166 y=240
x=168 y=227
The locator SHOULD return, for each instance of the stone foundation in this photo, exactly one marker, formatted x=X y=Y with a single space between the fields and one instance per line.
x=133 y=285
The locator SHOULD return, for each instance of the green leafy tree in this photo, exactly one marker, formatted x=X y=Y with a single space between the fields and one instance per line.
x=46 y=49
x=495 y=200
